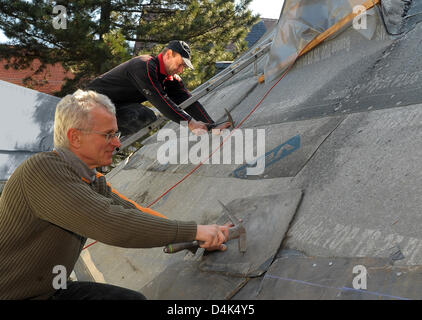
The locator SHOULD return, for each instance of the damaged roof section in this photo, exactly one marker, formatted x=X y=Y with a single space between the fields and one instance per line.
x=342 y=177
x=265 y=228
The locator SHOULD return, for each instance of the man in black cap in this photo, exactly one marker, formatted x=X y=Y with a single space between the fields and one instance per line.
x=154 y=79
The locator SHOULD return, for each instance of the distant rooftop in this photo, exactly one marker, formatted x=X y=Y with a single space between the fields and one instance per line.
x=49 y=81
x=259 y=29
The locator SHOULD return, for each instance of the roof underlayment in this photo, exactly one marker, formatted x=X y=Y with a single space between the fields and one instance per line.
x=341 y=186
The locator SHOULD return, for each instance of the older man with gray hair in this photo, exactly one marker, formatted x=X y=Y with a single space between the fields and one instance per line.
x=55 y=200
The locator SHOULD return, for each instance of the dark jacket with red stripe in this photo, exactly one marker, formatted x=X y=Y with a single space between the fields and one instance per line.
x=144 y=78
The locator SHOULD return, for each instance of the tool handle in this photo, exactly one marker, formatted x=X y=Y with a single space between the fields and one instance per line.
x=176 y=247
x=211 y=126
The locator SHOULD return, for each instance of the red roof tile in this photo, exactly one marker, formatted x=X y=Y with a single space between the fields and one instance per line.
x=48 y=81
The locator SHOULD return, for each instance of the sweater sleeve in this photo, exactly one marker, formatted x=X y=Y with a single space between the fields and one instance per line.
x=57 y=195
x=147 y=82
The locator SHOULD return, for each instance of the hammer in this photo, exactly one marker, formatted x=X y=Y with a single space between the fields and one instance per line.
x=211 y=126
x=238 y=231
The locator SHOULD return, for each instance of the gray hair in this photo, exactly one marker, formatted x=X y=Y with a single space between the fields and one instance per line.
x=73 y=111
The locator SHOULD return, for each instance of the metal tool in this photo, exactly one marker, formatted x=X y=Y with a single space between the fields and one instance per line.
x=211 y=126
x=237 y=222
x=236 y=232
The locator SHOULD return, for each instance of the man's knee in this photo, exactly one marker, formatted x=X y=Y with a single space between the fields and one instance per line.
x=132 y=118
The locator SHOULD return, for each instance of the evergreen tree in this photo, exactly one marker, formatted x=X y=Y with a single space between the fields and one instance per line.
x=93 y=36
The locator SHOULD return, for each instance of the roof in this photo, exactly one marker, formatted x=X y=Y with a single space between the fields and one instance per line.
x=341 y=186
x=340 y=193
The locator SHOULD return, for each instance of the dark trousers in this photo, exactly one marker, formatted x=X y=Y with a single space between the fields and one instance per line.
x=81 y=290
x=133 y=117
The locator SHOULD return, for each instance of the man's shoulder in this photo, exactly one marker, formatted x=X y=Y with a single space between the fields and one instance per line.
x=127 y=66
x=38 y=164
x=138 y=65
x=142 y=59
x=47 y=166
x=42 y=157
x=46 y=162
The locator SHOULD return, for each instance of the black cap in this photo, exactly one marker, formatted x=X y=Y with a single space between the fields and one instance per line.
x=183 y=49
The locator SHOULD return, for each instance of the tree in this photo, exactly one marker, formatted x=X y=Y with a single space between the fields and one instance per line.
x=93 y=36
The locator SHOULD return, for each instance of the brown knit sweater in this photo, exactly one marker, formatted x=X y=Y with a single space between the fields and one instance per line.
x=46 y=213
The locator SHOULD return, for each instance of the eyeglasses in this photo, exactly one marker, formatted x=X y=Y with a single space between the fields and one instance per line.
x=108 y=136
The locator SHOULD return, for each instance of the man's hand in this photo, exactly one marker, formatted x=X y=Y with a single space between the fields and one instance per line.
x=212 y=237
x=197 y=127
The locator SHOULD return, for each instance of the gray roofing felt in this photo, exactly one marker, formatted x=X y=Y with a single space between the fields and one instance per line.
x=343 y=141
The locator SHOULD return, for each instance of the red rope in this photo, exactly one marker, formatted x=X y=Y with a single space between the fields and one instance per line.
x=221 y=144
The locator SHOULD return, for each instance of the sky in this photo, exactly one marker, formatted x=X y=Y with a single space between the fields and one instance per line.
x=265 y=8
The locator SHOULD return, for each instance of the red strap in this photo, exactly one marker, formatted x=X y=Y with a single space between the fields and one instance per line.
x=145 y=210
